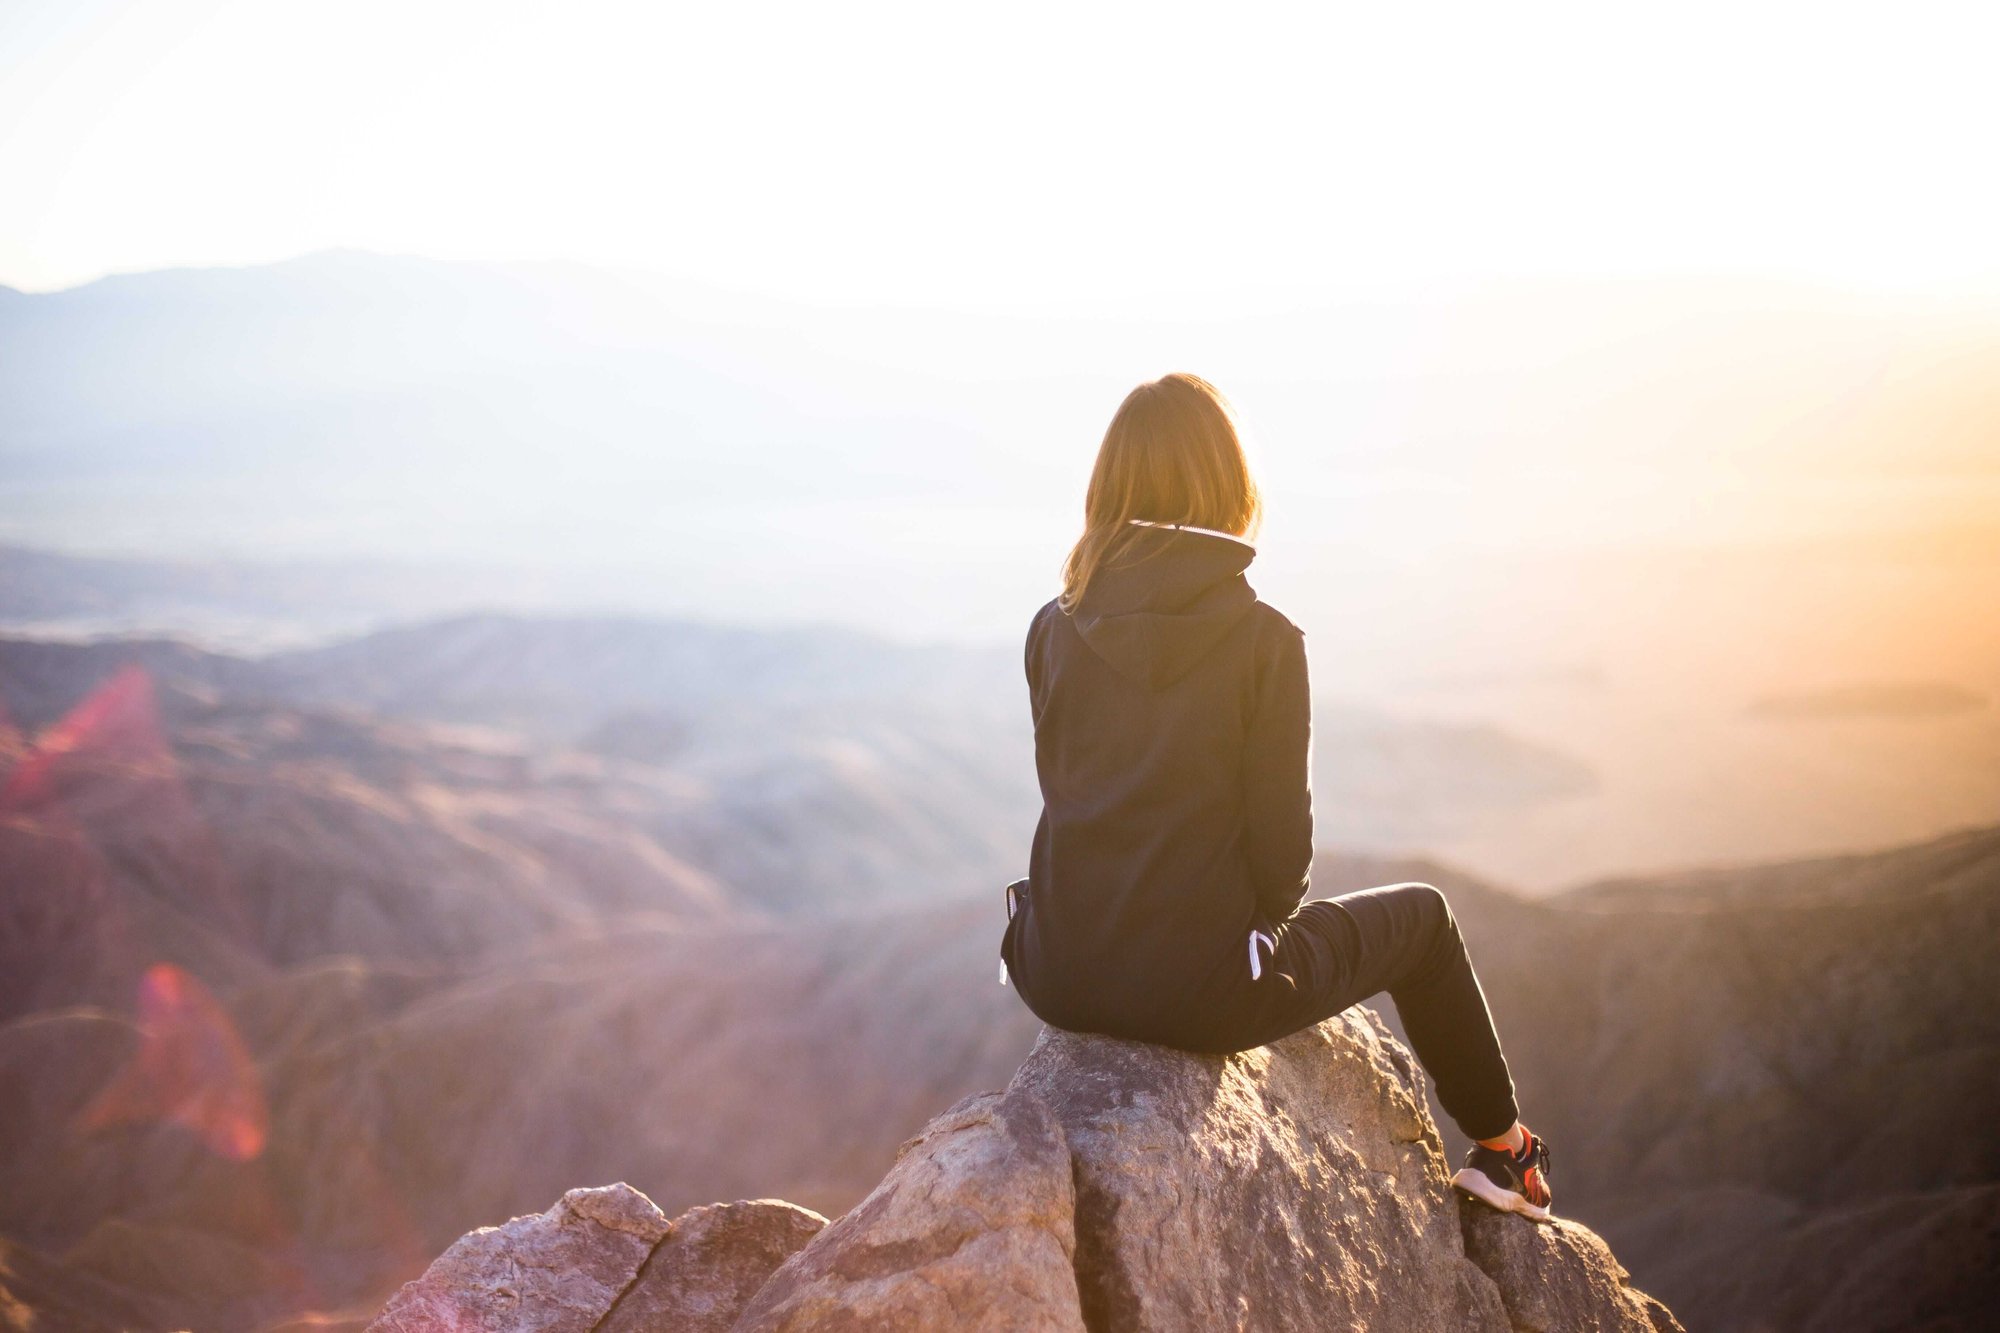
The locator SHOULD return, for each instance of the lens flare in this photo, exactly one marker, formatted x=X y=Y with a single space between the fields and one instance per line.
x=115 y=721
x=191 y=1069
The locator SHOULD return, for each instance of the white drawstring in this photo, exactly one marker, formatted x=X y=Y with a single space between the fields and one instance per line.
x=1256 y=963
x=1010 y=895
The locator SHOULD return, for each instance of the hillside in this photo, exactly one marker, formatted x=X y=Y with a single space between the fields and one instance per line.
x=687 y=1061
x=806 y=769
x=1710 y=1050
x=285 y=978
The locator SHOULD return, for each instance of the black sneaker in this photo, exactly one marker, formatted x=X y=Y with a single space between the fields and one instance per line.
x=1513 y=1184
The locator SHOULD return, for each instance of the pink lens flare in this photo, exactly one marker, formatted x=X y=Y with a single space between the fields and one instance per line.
x=191 y=1069
x=118 y=721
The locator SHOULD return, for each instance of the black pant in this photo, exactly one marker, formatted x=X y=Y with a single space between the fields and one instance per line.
x=1336 y=952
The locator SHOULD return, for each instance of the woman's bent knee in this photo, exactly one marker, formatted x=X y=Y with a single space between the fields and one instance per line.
x=1438 y=939
x=1430 y=904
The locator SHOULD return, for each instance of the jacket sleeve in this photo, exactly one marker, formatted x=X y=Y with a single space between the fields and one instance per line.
x=1034 y=657
x=1277 y=780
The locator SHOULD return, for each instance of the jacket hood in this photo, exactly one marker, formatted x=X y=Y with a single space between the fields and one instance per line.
x=1171 y=597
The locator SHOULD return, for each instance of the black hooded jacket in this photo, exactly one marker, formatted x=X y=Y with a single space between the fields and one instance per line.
x=1172 y=729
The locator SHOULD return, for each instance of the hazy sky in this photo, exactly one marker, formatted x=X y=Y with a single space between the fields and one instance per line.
x=1002 y=154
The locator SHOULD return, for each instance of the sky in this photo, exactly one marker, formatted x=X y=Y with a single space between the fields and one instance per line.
x=993 y=156
x=1606 y=366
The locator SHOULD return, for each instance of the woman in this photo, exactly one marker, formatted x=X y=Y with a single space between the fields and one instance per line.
x=1164 y=897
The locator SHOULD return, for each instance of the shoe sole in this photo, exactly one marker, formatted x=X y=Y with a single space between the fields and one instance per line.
x=1482 y=1188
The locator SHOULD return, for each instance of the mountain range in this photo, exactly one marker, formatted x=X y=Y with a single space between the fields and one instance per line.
x=1708 y=547
x=316 y=960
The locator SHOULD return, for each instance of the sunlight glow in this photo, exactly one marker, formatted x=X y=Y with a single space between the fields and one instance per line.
x=1039 y=153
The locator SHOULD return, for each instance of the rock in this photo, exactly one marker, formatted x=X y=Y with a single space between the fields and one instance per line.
x=1116 y=1185
x=710 y=1263
x=554 y=1272
x=1112 y=1186
x=607 y=1260
x=971 y=1229
x=1560 y=1276
x=1299 y=1185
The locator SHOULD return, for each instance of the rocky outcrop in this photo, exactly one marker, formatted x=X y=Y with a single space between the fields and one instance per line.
x=1556 y=1277
x=709 y=1264
x=604 y=1259
x=559 y=1271
x=1112 y=1185
x=973 y=1228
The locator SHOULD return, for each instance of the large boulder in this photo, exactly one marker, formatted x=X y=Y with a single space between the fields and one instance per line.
x=558 y=1271
x=603 y=1259
x=1113 y=1185
x=709 y=1264
x=972 y=1229
x=1299 y=1185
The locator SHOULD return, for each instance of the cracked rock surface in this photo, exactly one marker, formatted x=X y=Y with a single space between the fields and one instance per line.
x=1112 y=1185
x=710 y=1263
x=558 y=1271
x=1558 y=1277
x=605 y=1259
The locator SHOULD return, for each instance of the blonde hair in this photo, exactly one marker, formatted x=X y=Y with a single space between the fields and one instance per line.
x=1171 y=455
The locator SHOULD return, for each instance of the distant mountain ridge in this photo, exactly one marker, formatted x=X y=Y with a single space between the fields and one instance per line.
x=555 y=675
x=466 y=402
x=347 y=404
x=794 y=729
